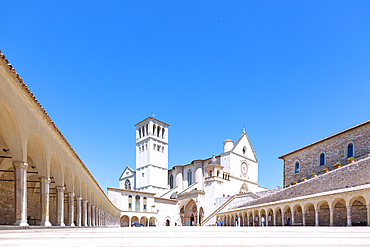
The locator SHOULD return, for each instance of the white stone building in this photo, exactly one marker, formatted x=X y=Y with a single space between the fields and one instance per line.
x=185 y=194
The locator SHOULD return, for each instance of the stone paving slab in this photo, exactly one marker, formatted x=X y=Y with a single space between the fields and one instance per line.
x=188 y=236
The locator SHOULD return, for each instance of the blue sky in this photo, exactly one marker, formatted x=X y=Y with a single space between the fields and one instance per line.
x=291 y=72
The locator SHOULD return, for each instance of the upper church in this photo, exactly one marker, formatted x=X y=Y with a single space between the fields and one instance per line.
x=194 y=190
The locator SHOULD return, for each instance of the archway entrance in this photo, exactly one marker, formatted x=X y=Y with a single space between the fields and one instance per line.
x=190 y=217
x=168 y=223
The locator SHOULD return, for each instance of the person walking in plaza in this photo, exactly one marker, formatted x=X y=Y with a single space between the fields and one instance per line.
x=287 y=220
x=262 y=221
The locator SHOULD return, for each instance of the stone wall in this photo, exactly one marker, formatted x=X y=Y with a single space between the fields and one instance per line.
x=334 y=149
x=111 y=221
x=355 y=174
x=7 y=201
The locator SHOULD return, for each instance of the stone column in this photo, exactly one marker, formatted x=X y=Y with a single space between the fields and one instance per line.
x=44 y=201
x=129 y=222
x=78 y=210
x=60 y=206
x=303 y=218
x=71 y=201
x=84 y=212
x=349 y=216
x=89 y=214
x=368 y=214
x=248 y=220
x=317 y=217
x=20 y=177
x=331 y=216
x=96 y=216
x=92 y=215
x=292 y=218
x=274 y=219
x=282 y=218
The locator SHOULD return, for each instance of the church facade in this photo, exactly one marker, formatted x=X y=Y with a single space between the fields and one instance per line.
x=185 y=195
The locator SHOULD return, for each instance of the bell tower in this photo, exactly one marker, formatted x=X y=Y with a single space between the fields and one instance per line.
x=152 y=156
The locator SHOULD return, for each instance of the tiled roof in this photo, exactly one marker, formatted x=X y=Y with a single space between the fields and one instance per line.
x=24 y=86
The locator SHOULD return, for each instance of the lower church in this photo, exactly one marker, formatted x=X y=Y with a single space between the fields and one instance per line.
x=153 y=195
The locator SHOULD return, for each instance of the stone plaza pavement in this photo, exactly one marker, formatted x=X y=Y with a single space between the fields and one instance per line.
x=187 y=236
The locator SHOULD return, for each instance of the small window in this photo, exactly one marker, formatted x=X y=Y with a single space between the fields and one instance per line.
x=210 y=174
x=190 y=177
x=142 y=174
x=350 y=150
x=322 y=159
x=244 y=150
x=154 y=146
x=158 y=130
x=171 y=181
x=144 y=204
x=137 y=203
x=158 y=148
x=153 y=129
x=163 y=133
x=139 y=133
x=130 y=203
x=296 y=168
x=162 y=149
x=146 y=146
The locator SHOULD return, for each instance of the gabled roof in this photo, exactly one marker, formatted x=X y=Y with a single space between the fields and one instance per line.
x=326 y=138
x=127 y=168
x=240 y=138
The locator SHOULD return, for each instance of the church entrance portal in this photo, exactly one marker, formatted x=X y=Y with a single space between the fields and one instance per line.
x=189 y=214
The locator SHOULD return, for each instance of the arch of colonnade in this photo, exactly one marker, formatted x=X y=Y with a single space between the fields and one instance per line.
x=127 y=221
x=348 y=209
x=42 y=180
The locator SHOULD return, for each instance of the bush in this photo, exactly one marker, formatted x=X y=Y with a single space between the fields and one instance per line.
x=337 y=164
x=350 y=158
x=325 y=169
x=303 y=178
x=313 y=174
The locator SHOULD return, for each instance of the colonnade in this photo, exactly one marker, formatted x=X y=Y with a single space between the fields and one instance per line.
x=86 y=213
x=345 y=209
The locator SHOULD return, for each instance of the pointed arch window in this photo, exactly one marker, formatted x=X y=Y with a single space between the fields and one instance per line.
x=127 y=185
